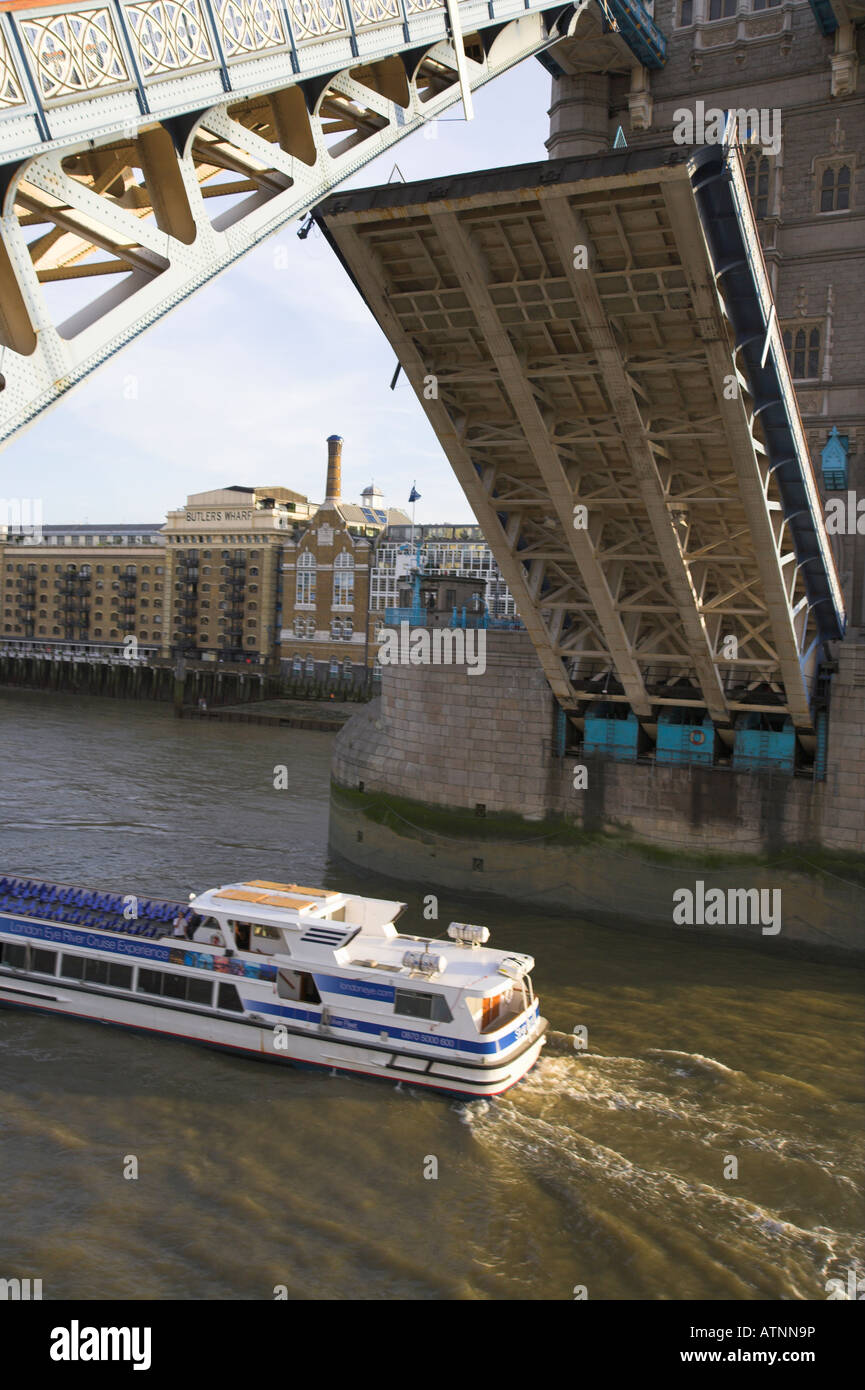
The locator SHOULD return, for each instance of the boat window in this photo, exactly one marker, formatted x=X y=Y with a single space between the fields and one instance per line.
x=199 y=991
x=96 y=971
x=229 y=998
x=172 y=986
x=15 y=955
x=72 y=967
x=120 y=976
x=490 y=1012
x=45 y=961
x=422 y=1004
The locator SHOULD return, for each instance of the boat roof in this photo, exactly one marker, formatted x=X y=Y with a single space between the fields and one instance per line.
x=366 y=940
x=292 y=904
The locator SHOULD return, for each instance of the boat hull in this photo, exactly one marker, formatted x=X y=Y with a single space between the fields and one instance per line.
x=245 y=1037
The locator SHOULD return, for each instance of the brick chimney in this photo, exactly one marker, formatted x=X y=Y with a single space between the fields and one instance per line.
x=334 y=468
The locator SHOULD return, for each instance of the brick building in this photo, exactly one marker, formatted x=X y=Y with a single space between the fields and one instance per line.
x=328 y=629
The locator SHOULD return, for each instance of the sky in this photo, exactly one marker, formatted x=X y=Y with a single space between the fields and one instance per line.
x=243 y=382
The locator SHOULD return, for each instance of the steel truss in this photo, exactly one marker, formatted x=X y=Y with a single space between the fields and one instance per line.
x=586 y=372
x=150 y=213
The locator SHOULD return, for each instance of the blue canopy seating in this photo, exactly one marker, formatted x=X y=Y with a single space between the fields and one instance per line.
x=79 y=907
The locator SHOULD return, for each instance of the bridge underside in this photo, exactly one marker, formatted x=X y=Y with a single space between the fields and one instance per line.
x=589 y=368
x=134 y=196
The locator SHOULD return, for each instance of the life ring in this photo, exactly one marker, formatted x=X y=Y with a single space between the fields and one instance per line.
x=697 y=736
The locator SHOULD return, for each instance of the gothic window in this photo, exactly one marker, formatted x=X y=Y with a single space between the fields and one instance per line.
x=306 y=569
x=722 y=9
x=803 y=345
x=765 y=4
x=835 y=188
x=757 y=178
x=686 y=13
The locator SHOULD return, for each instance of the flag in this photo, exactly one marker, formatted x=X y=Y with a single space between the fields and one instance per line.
x=414 y=495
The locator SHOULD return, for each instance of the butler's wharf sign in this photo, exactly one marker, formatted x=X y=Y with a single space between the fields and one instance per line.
x=244 y=515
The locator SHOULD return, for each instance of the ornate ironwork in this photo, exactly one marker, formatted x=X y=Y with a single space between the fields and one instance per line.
x=74 y=52
x=315 y=19
x=168 y=35
x=420 y=6
x=249 y=26
x=10 y=88
x=368 y=12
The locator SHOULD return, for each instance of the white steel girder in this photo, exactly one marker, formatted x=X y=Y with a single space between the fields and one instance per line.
x=134 y=206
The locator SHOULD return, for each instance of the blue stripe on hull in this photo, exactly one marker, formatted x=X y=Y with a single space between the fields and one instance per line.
x=397 y=1035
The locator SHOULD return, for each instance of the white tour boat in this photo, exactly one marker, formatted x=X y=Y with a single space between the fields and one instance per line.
x=308 y=976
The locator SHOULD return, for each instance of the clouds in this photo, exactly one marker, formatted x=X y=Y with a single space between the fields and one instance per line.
x=243 y=383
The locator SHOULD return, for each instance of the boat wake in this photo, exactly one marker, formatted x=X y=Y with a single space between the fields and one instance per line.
x=637 y=1153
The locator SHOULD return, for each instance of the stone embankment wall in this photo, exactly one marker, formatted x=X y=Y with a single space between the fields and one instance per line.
x=452 y=778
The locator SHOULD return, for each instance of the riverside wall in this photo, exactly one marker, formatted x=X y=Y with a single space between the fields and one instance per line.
x=452 y=779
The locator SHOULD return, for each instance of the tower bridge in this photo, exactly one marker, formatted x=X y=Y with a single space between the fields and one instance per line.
x=595 y=343
x=147 y=144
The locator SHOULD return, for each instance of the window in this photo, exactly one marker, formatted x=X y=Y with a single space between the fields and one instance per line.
x=72 y=967
x=306 y=568
x=686 y=12
x=14 y=955
x=764 y=4
x=228 y=998
x=96 y=971
x=343 y=580
x=757 y=178
x=722 y=9
x=309 y=666
x=172 y=986
x=835 y=188
x=425 y=1004
x=149 y=982
x=297 y=665
x=43 y=961
x=803 y=347
x=199 y=992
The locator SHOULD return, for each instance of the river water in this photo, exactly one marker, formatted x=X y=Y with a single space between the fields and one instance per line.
x=608 y=1169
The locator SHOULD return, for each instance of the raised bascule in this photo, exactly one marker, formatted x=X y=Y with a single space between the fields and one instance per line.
x=153 y=143
x=613 y=394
